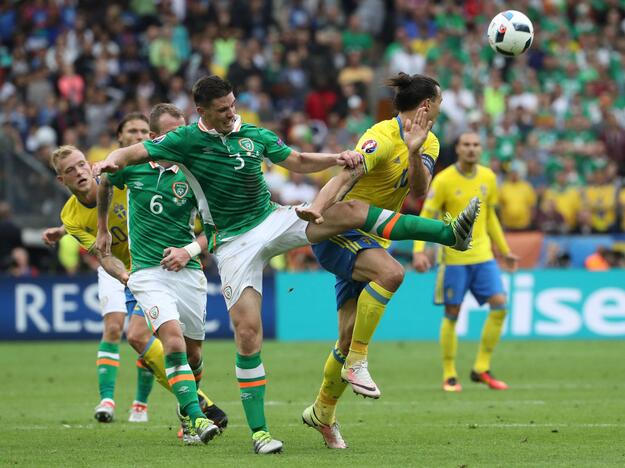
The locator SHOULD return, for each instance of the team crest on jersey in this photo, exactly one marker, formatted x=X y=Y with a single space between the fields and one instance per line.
x=158 y=139
x=247 y=144
x=153 y=312
x=180 y=189
x=227 y=292
x=484 y=189
x=119 y=210
x=369 y=146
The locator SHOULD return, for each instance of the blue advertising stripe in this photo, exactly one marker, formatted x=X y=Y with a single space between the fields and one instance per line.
x=544 y=304
x=67 y=308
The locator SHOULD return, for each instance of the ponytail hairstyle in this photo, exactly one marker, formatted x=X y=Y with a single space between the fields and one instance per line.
x=411 y=91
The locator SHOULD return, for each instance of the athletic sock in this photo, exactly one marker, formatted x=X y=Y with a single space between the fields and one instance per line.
x=197 y=374
x=396 y=226
x=332 y=387
x=182 y=383
x=449 y=347
x=251 y=376
x=145 y=382
x=154 y=357
x=369 y=309
x=108 y=363
x=490 y=337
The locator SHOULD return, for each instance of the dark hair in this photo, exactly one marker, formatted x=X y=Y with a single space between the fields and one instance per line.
x=160 y=109
x=208 y=88
x=128 y=117
x=410 y=91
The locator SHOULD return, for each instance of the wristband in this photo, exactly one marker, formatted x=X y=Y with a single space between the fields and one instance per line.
x=193 y=249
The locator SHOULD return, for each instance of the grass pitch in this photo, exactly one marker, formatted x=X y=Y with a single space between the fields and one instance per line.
x=566 y=407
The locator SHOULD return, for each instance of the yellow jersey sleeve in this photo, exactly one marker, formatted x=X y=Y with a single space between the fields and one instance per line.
x=374 y=148
x=74 y=226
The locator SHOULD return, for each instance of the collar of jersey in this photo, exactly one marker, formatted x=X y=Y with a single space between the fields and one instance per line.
x=155 y=165
x=401 y=127
x=212 y=131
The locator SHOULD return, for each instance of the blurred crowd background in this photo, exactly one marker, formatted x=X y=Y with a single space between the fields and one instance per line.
x=552 y=121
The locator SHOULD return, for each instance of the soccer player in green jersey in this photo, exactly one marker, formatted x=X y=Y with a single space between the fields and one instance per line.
x=221 y=157
x=166 y=278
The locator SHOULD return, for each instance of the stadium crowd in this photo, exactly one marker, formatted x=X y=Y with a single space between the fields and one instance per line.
x=552 y=121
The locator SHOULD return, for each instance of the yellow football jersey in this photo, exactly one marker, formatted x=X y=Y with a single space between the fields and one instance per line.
x=601 y=200
x=81 y=221
x=451 y=191
x=385 y=182
x=568 y=202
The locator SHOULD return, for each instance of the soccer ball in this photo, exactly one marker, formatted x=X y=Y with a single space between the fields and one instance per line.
x=510 y=33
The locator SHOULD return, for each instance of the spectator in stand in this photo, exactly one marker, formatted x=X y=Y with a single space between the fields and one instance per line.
x=10 y=235
x=599 y=201
x=20 y=264
x=564 y=199
x=517 y=200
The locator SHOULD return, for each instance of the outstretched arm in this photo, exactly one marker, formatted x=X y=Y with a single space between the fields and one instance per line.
x=120 y=158
x=314 y=162
x=332 y=192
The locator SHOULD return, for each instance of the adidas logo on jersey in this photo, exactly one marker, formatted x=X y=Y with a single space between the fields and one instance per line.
x=397 y=160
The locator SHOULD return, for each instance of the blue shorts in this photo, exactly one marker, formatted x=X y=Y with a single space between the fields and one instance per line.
x=132 y=308
x=338 y=255
x=453 y=282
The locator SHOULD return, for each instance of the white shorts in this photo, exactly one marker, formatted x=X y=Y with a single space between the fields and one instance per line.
x=168 y=295
x=241 y=259
x=111 y=293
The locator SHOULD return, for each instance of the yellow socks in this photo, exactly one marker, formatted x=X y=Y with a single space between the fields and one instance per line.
x=490 y=337
x=369 y=310
x=154 y=357
x=332 y=387
x=449 y=347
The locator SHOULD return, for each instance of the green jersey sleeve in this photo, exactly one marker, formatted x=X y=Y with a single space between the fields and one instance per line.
x=169 y=147
x=275 y=149
x=118 y=179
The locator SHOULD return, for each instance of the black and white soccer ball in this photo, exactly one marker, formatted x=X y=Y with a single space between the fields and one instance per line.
x=510 y=33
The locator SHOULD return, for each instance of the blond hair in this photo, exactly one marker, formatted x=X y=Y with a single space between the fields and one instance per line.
x=61 y=153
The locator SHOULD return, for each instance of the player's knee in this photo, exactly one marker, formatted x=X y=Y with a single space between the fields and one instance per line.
x=248 y=336
x=113 y=332
x=352 y=213
x=391 y=276
x=194 y=356
x=498 y=302
x=136 y=340
x=452 y=313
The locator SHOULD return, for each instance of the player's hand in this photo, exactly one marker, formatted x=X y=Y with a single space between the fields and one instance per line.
x=103 y=243
x=52 y=235
x=103 y=166
x=416 y=130
x=510 y=262
x=421 y=262
x=307 y=213
x=349 y=159
x=175 y=259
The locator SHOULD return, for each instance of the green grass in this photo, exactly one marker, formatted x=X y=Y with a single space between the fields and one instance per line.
x=566 y=407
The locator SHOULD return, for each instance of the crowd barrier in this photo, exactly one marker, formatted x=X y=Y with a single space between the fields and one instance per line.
x=543 y=304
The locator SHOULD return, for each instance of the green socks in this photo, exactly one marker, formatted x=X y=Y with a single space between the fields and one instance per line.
x=182 y=383
x=145 y=381
x=108 y=363
x=396 y=226
x=251 y=376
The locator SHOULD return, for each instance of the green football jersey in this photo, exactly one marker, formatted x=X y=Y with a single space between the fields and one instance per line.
x=225 y=173
x=161 y=212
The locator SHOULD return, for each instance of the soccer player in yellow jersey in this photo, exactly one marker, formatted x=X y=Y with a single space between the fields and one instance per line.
x=474 y=270
x=399 y=155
